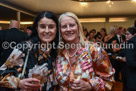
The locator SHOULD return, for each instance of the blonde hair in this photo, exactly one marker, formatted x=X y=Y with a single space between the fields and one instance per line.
x=112 y=30
x=81 y=35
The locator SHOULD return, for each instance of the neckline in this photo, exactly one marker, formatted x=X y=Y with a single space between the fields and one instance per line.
x=73 y=54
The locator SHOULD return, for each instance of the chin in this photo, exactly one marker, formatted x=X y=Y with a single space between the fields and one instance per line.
x=47 y=41
x=69 y=40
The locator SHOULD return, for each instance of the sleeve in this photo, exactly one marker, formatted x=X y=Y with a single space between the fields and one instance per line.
x=9 y=81
x=131 y=55
x=10 y=69
x=122 y=53
x=104 y=73
x=62 y=79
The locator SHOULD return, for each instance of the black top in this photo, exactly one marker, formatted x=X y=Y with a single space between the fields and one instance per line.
x=109 y=45
x=130 y=54
x=11 y=36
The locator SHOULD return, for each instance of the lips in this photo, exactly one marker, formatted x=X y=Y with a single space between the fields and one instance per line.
x=69 y=33
x=47 y=36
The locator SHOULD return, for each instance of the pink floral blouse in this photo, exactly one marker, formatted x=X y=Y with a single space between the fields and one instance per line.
x=96 y=69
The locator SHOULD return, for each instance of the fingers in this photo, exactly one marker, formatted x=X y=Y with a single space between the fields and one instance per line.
x=86 y=65
x=76 y=88
x=76 y=85
x=30 y=86
x=33 y=80
x=76 y=82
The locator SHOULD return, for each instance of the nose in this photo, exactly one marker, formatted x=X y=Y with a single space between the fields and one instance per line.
x=68 y=28
x=46 y=30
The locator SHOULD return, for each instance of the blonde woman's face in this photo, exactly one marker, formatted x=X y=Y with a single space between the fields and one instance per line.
x=69 y=29
x=46 y=30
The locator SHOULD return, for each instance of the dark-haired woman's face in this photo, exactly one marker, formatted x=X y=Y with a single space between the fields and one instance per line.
x=102 y=32
x=129 y=35
x=46 y=30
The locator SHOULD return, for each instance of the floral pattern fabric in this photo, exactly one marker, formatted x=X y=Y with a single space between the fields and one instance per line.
x=96 y=69
x=11 y=80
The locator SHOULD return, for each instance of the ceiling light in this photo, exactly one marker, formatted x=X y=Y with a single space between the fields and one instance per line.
x=134 y=0
x=26 y=22
x=110 y=3
x=87 y=20
x=83 y=3
x=4 y=22
x=121 y=19
x=8 y=22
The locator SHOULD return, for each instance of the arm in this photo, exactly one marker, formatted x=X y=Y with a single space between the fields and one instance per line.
x=104 y=72
x=115 y=47
x=131 y=56
x=10 y=69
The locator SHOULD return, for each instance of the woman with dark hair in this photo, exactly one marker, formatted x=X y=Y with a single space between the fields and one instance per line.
x=129 y=61
x=91 y=37
x=85 y=32
x=38 y=69
x=102 y=35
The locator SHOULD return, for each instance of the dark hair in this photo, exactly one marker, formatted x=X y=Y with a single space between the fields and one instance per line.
x=35 y=37
x=85 y=30
x=132 y=30
x=98 y=35
x=93 y=30
x=104 y=31
x=135 y=23
x=90 y=32
x=30 y=28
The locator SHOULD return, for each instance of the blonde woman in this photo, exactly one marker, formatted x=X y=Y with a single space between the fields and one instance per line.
x=75 y=69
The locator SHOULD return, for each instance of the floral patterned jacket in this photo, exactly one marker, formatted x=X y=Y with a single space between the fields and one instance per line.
x=98 y=70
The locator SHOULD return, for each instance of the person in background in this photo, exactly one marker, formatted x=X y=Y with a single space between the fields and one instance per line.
x=76 y=70
x=129 y=61
x=94 y=32
x=29 y=30
x=122 y=33
x=103 y=33
x=14 y=24
x=0 y=27
x=134 y=25
x=11 y=36
x=91 y=37
x=98 y=37
x=111 y=42
x=85 y=32
x=116 y=51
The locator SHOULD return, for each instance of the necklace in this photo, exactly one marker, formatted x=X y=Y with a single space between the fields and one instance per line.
x=73 y=54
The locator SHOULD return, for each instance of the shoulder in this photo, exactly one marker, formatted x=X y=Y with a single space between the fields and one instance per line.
x=3 y=31
x=133 y=39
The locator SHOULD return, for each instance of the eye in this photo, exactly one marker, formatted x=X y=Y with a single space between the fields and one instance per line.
x=42 y=26
x=51 y=26
x=64 y=26
x=72 y=25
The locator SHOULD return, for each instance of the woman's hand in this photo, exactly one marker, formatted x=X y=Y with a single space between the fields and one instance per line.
x=124 y=59
x=29 y=84
x=81 y=85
